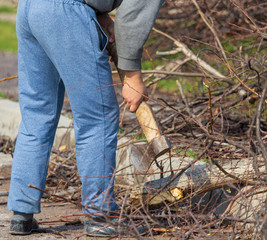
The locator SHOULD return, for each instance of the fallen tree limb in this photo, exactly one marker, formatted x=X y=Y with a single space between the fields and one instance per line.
x=180 y=74
x=191 y=55
x=201 y=174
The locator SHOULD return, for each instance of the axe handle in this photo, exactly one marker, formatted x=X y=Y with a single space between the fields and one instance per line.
x=144 y=112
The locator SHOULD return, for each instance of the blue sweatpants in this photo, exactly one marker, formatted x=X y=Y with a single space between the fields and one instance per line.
x=61 y=46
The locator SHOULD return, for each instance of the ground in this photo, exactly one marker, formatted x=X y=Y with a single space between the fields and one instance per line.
x=49 y=221
x=50 y=212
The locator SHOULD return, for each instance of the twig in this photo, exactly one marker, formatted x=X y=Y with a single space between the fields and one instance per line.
x=240 y=194
x=206 y=21
x=3 y=194
x=56 y=196
x=122 y=116
x=223 y=170
x=75 y=221
x=4 y=178
x=258 y=117
x=167 y=53
x=150 y=58
x=209 y=106
x=184 y=98
x=8 y=78
x=250 y=19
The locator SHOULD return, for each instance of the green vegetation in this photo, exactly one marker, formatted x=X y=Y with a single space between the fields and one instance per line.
x=8 y=40
x=8 y=9
x=189 y=86
x=188 y=152
x=147 y=65
x=232 y=45
x=168 y=84
x=140 y=136
x=121 y=130
x=2 y=95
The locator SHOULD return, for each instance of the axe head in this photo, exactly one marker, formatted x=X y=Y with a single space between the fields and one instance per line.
x=160 y=145
x=143 y=155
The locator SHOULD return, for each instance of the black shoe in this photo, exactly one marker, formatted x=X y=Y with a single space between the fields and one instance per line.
x=99 y=227
x=23 y=227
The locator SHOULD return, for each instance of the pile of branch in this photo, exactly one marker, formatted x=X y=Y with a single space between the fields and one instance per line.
x=233 y=17
x=220 y=124
x=63 y=178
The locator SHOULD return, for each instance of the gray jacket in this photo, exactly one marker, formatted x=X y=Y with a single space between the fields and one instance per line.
x=133 y=23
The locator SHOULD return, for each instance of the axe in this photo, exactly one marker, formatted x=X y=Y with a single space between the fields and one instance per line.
x=158 y=144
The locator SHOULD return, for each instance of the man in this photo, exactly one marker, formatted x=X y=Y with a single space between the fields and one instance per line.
x=61 y=45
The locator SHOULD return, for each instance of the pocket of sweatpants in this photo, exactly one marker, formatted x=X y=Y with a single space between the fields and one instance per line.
x=102 y=37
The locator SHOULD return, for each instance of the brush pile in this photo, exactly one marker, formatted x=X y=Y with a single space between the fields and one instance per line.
x=213 y=55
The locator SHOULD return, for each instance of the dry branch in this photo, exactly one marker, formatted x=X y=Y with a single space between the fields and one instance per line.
x=258 y=121
x=211 y=28
x=180 y=74
x=8 y=78
x=191 y=55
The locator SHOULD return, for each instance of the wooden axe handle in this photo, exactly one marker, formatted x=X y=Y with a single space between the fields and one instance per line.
x=144 y=112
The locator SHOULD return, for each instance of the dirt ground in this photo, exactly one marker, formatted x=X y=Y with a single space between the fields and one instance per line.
x=50 y=212
x=49 y=221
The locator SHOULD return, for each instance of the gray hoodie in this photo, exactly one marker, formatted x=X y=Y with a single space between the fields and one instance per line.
x=133 y=23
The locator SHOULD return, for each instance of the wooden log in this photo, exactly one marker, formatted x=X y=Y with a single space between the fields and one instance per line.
x=199 y=178
x=201 y=175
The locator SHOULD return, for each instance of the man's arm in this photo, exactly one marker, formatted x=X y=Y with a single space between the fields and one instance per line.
x=134 y=89
x=133 y=23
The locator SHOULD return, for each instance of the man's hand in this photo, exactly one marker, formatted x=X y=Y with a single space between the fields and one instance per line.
x=107 y=23
x=134 y=90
